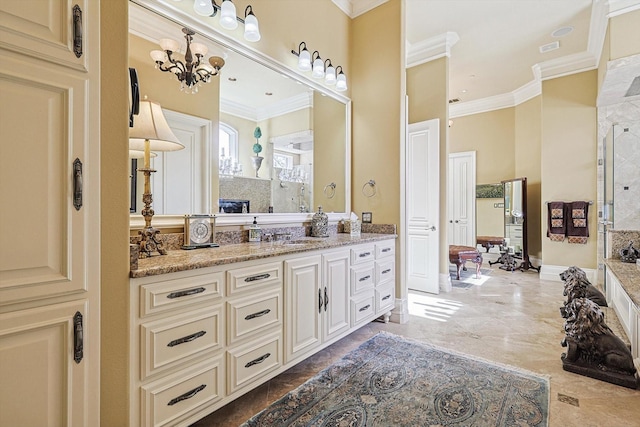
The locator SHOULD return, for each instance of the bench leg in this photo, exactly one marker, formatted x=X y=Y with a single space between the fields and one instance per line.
x=459 y=265
x=478 y=262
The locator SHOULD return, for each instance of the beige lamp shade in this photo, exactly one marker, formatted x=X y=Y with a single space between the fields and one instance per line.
x=151 y=125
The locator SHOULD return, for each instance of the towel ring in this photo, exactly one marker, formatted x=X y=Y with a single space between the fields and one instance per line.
x=372 y=192
x=332 y=190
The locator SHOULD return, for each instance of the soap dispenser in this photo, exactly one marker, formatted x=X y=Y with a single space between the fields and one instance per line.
x=320 y=224
x=254 y=231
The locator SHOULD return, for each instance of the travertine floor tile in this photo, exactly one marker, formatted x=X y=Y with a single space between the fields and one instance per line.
x=512 y=318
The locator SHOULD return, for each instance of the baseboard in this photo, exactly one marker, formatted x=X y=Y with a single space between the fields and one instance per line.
x=400 y=313
x=552 y=272
x=444 y=282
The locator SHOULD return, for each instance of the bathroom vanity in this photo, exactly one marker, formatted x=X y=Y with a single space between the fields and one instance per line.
x=210 y=325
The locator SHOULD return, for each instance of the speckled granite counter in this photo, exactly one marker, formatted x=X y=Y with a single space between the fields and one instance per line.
x=181 y=260
x=629 y=276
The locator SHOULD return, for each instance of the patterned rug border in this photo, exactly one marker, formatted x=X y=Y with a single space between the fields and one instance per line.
x=384 y=334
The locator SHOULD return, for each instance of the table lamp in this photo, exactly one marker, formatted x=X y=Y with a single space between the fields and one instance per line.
x=151 y=131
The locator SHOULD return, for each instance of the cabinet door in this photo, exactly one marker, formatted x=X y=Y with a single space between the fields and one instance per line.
x=335 y=276
x=42 y=385
x=304 y=302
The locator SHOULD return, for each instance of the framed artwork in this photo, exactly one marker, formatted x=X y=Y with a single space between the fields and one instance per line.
x=490 y=191
x=367 y=217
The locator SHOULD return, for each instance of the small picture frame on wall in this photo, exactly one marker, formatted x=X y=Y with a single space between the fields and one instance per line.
x=367 y=217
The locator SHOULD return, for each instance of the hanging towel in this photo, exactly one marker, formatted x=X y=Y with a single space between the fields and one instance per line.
x=577 y=225
x=556 y=229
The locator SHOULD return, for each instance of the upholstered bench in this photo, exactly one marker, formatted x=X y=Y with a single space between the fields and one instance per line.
x=490 y=241
x=458 y=255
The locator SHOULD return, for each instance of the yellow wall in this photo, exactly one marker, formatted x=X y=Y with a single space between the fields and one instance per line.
x=491 y=135
x=428 y=98
x=568 y=159
x=114 y=221
x=528 y=128
x=624 y=33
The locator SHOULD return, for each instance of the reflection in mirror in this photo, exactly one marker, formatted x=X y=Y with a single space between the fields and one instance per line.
x=302 y=132
x=489 y=212
x=515 y=226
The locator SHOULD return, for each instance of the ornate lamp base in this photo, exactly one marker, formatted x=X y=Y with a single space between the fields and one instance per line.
x=150 y=242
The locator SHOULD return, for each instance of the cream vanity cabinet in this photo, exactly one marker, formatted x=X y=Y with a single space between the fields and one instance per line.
x=201 y=338
x=49 y=215
x=627 y=311
x=317 y=298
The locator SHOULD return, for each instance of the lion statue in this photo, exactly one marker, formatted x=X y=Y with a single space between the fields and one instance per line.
x=576 y=285
x=590 y=341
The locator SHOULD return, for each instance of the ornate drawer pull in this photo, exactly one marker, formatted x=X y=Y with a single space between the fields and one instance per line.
x=362 y=279
x=187 y=395
x=188 y=292
x=188 y=338
x=386 y=298
x=386 y=271
x=326 y=298
x=320 y=302
x=258 y=314
x=365 y=308
x=258 y=360
x=364 y=254
x=257 y=277
x=386 y=249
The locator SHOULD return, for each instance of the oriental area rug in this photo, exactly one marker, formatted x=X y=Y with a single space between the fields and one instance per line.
x=394 y=381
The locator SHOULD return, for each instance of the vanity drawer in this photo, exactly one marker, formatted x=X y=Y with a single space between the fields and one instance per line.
x=362 y=254
x=385 y=249
x=165 y=343
x=385 y=299
x=161 y=296
x=251 y=315
x=362 y=309
x=361 y=279
x=164 y=401
x=250 y=362
x=385 y=271
x=254 y=277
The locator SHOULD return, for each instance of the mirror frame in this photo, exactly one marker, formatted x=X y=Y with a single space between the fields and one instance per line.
x=526 y=263
x=167 y=11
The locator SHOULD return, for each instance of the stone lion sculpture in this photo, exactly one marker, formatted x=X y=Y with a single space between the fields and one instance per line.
x=590 y=342
x=576 y=285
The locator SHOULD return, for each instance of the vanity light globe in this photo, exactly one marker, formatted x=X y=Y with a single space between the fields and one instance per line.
x=228 y=15
x=251 y=28
x=304 y=60
x=203 y=7
x=330 y=75
x=341 y=83
x=318 y=69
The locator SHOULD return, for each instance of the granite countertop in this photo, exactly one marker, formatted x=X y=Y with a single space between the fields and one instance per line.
x=629 y=276
x=181 y=260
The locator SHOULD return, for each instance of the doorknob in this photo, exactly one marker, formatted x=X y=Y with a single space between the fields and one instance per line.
x=450 y=221
x=432 y=228
x=457 y=221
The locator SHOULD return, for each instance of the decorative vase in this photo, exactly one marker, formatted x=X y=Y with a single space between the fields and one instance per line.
x=320 y=224
x=257 y=162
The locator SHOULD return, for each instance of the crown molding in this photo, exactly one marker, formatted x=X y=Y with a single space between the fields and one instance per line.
x=238 y=110
x=286 y=106
x=620 y=7
x=430 y=49
x=355 y=8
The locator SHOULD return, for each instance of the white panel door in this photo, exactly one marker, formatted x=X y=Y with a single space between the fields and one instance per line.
x=304 y=301
x=422 y=206
x=462 y=198
x=335 y=277
x=174 y=191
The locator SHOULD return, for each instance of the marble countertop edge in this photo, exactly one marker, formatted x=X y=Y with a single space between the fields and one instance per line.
x=629 y=276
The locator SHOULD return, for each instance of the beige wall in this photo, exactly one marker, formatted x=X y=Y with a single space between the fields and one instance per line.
x=624 y=33
x=568 y=159
x=428 y=98
x=114 y=221
x=528 y=127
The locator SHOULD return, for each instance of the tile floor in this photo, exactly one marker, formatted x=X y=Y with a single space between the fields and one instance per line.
x=510 y=318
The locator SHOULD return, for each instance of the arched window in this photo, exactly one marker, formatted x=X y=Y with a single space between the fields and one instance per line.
x=228 y=149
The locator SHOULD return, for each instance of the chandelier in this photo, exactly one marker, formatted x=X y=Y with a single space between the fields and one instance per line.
x=192 y=72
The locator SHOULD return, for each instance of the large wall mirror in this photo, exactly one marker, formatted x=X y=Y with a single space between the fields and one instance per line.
x=515 y=221
x=305 y=131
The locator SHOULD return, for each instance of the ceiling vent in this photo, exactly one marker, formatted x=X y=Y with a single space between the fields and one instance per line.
x=549 y=47
x=634 y=88
x=454 y=100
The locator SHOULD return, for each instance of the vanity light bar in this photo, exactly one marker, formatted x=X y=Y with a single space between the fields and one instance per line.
x=228 y=18
x=319 y=68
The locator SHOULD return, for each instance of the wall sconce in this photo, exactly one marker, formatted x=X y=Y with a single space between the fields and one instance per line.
x=319 y=68
x=151 y=132
x=228 y=18
x=304 y=57
x=192 y=72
